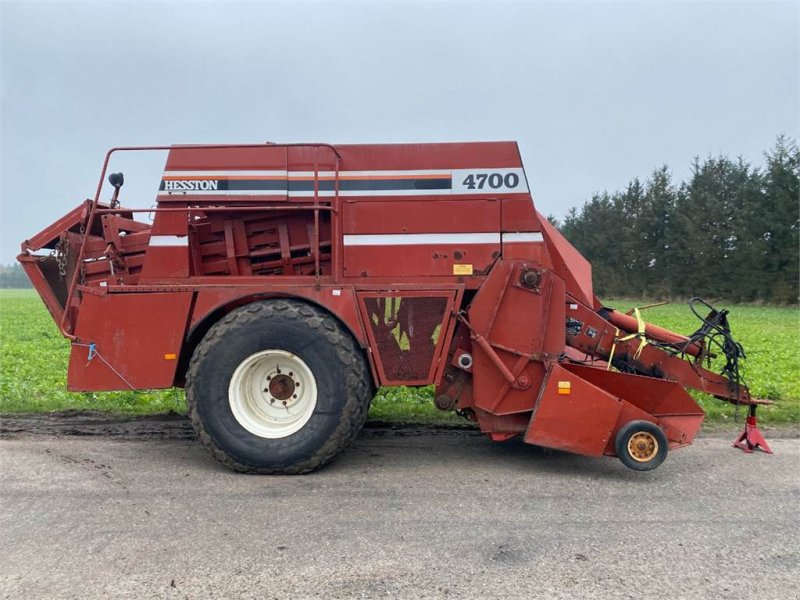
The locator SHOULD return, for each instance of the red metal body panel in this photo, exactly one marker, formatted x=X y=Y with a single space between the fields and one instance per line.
x=407 y=238
x=440 y=260
x=655 y=396
x=580 y=421
x=212 y=302
x=663 y=402
x=137 y=341
x=421 y=216
x=569 y=264
x=523 y=328
x=339 y=300
x=167 y=262
x=44 y=238
x=356 y=157
x=520 y=215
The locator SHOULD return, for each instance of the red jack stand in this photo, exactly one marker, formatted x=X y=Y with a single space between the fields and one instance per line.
x=751 y=437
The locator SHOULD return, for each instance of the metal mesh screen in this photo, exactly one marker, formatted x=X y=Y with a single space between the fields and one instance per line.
x=406 y=331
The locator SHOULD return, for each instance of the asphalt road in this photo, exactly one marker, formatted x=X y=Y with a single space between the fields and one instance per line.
x=400 y=514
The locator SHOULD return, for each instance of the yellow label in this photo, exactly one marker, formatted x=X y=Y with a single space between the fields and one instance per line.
x=564 y=387
x=462 y=269
x=170 y=356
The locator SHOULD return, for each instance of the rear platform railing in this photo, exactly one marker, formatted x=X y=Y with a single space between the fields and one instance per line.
x=67 y=326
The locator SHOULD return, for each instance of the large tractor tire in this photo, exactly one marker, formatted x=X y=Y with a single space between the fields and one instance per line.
x=277 y=386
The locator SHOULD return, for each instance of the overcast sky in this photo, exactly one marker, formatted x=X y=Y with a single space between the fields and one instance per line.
x=595 y=93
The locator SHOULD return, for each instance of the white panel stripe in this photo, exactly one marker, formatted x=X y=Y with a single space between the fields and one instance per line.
x=397 y=239
x=173 y=194
x=224 y=173
x=413 y=239
x=169 y=240
x=523 y=236
x=440 y=172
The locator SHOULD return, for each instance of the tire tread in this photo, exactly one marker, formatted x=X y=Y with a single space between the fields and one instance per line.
x=353 y=364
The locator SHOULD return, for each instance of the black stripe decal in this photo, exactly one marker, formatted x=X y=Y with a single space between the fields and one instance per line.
x=304 y=185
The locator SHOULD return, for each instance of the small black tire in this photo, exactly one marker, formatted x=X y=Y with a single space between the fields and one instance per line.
x=641 y=445
x=255 y=430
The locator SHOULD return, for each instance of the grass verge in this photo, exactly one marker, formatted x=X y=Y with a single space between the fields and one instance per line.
x=34 y=357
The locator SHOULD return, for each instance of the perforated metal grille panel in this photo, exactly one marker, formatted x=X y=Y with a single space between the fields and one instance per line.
x=406 y=330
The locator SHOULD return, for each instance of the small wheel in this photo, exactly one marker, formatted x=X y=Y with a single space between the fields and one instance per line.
x=641 y=445
x=277 y=386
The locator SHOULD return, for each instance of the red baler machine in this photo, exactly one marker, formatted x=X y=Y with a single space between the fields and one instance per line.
x=281 y=283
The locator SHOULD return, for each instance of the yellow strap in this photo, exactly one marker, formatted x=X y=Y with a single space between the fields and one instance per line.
x=640 y=334
x=613 y=347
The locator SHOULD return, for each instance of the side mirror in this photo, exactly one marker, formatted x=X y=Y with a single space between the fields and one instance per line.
x=116 y=180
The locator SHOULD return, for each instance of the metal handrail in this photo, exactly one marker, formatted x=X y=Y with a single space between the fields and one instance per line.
x=94 y=209
x=103 y=211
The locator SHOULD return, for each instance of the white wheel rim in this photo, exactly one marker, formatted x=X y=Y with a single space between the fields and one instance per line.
x=272 y=393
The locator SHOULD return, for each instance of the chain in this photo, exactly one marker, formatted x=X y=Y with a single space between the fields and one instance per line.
x=62 y=251
x=82 y=231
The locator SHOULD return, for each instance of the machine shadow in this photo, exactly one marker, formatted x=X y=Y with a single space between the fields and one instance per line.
x=468 y=450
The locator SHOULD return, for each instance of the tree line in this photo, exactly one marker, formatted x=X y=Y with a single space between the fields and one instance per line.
x=13 y=277
x=730 y=232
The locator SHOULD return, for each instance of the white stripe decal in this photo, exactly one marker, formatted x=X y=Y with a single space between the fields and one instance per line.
x=179 y=193
x=169 y=240
x=523 y=236
x=414 y=239
x=225 y=173
x=292 y=174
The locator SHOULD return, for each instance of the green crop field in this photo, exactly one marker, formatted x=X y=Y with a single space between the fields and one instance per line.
x=33 y=366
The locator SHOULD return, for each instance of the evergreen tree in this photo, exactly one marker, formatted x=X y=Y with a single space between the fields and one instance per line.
x=656 y=232
x=595 y=231
x=709 y=232
x=730 y=232
x=780 y=214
